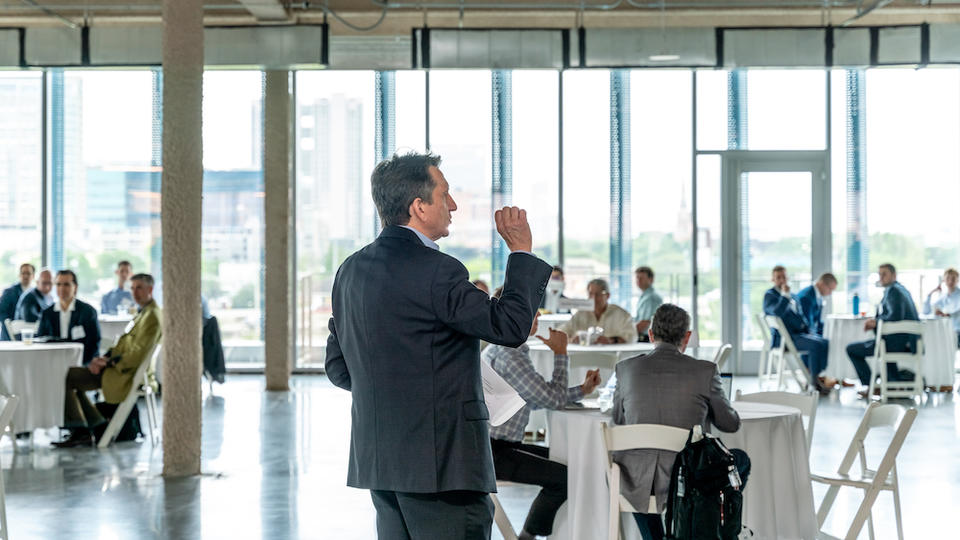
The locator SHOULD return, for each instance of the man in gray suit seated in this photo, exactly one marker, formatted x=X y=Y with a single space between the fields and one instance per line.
x=669 y=388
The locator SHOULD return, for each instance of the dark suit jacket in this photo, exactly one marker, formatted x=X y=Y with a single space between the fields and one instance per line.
x=812 y=309
x=31 y=305
x=404 y=339
x=669 y=388
x=8 y=307
x=897 y=305
x=84 y=315
x=777 y=304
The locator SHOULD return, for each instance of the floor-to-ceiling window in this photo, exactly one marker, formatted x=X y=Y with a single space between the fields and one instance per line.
x=20 y=172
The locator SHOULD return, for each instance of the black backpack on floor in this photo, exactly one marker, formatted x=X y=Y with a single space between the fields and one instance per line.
x=705 y=500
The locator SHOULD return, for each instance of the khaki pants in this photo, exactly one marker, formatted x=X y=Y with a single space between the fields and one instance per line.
x=77 y=409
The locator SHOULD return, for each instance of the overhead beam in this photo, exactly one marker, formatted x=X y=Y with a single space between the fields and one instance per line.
x=266 y=10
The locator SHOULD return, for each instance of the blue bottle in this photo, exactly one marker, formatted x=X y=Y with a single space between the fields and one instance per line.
x=856 y=304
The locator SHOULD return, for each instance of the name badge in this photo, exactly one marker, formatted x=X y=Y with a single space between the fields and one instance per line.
x=77 y=333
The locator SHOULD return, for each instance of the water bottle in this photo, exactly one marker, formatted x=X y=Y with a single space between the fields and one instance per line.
x=856 y=304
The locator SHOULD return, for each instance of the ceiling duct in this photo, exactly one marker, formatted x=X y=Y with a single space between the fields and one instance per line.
x=476 y=48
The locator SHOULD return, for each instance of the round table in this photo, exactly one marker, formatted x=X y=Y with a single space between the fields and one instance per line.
x=939 y=343
x=37 y=373
x=778 y=499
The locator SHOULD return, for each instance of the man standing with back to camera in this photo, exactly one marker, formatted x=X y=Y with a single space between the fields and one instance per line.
x=405 y=340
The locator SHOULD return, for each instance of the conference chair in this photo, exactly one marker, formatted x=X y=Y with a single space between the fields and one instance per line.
x=14 y=327
x=8 y=405
x=500 y=517
x=806 y=403
x=631 y=437
x=870 y=481
x=786 y=356
x=141 y=387
x=723 y=354
x=763 y=366
x=909 y=360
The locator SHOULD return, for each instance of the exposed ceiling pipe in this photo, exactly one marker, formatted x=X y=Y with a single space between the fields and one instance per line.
x=861 y=11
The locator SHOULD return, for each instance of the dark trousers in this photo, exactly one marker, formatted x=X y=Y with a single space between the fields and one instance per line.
x=816 y=349
x=858 y=353
x=457 y=515
x=77 y=409
x=529 y=464
x=651 y=525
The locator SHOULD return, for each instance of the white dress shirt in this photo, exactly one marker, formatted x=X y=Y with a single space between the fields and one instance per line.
x=65 y=315
x=948 y=303
x=615 y=321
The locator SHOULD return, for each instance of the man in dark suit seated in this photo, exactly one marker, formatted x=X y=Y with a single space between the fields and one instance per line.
x=780 y=302
x=405 y=341
x=32 y=303
x=897 y=305
x=669 y=388
x=71 y=319
x=812 y=299
x=11 y=295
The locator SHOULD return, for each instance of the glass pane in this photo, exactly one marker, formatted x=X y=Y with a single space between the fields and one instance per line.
x=774 y=231
x=661 y=180
x=586 y=178
x=335 y=213
x=712 y=110
x=536 y=156
x=786 y=109
x=709 y=232
x=110 y=188
x=839 y=300
x=460 y=132
x=20 y=177
x=411 y=111
x=232 y=264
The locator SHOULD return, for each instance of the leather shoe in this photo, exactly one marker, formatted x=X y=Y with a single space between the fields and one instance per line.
x=76 y=438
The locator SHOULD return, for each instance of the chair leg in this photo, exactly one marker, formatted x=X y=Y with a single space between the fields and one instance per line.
x=896 y=511
x=151 y=400
x=862 y=513
x=826 y=504
x=501 y=519
x=870 y=524
x=113 y=428
x=3 y=506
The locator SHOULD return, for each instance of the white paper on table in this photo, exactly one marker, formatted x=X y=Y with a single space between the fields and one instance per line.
x=502 y=400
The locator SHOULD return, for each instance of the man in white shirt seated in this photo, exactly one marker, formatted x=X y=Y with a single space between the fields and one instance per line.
x=617 y=324
x=948 y=304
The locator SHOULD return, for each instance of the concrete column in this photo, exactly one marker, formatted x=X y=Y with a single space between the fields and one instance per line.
x=180 y=208
x=277 y=167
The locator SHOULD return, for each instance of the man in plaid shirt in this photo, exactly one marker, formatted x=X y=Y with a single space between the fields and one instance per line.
x=527 y=463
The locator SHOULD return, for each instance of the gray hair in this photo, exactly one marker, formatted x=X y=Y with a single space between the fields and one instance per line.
x=146 y=279
x=400 y=180
x=670 y=324
x=602 y=283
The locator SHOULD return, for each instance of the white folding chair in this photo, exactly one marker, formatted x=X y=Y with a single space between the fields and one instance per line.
x=14 y=327
x=806 y=402
x=872 y=482
x=141 y=386
x=8 y=405
x=500 y=517
x=763 y=366
x=786 y=356
x=911 y=360
x=631 y=437
x=720 y=359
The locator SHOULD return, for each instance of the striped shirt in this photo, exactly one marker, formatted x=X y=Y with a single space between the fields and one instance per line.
x=515 y=367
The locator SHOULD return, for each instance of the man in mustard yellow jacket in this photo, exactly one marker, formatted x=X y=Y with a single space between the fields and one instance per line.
x=113 y=372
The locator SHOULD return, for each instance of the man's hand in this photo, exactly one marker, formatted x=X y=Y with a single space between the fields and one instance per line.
x=938 y=289
x=870 y=324
x=785 y=289
x=604 y=340
x=557 y=341
x=642 y=327
x=942 y=313
x=514 y=229
x=591 y=382
x=97 y=365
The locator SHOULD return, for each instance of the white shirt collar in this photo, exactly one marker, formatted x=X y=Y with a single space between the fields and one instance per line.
x=71 y=307
x=817 y=292
x=423 y=238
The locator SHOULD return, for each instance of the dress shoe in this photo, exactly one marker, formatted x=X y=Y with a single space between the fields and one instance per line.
x=863 y=393
x=829 y=382
x=76 y=438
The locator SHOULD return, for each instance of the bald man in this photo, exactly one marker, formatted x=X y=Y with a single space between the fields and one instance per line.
x=33 y=302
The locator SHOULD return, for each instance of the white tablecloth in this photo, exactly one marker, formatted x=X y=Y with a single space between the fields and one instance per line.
x=37 y=373
x=111 y=328
x=778 y=500
x=939 y=341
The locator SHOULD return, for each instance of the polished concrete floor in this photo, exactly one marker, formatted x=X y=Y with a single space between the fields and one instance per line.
x=275 y=465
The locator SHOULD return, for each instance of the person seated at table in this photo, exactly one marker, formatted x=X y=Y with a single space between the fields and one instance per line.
x=482 y=285
x=896 y=305
x=114 y=371
x=32 y=303
x=669 y=388
x=71 y=319
x=526 y=463
x=780 y=302
x=12 y=294
x=812 y=299
x=119 y=297
x=649 y=300
x=617 y=324
x=948 y=305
